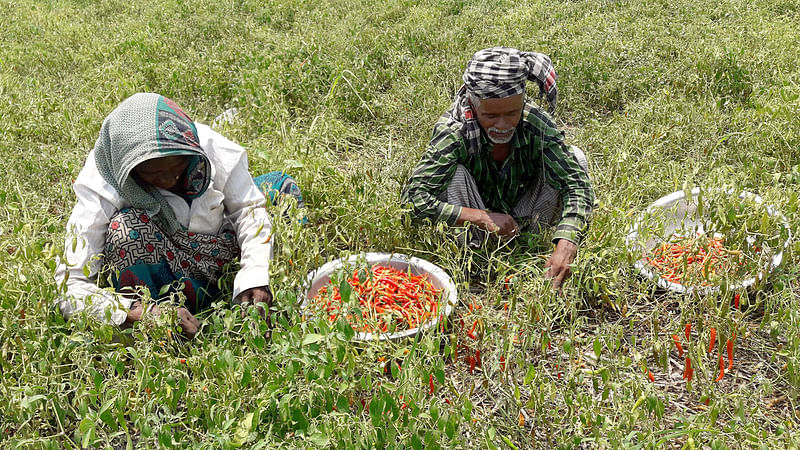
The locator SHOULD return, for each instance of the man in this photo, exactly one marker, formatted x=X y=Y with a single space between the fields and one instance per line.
x=499 y=163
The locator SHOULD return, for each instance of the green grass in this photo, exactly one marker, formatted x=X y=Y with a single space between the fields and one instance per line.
x=661 y=95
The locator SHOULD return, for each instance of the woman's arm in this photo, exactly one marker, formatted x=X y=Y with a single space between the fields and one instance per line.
x=83 y=247
x=244 y=206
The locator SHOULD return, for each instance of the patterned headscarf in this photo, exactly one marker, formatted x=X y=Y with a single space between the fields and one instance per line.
x=500 y=72
x=144 y=127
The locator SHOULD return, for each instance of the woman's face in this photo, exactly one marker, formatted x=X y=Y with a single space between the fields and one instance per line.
x=163 y=172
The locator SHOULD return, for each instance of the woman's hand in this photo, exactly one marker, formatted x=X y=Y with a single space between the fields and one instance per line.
x=188 y=322
x=260 y=297
x=137 y=311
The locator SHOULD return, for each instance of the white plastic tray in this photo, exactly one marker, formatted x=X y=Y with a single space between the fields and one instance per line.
x=417 y=266
x=684 y=220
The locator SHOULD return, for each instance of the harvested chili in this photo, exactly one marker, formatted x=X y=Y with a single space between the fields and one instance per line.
x=688 y=259
x=387 y=296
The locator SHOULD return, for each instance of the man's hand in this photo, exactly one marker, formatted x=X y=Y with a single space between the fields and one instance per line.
x=261 y=297
x=493 y=222
x=559 y=261
x=506 y=224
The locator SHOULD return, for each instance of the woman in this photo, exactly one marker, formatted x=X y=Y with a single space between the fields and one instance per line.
x=163 y=204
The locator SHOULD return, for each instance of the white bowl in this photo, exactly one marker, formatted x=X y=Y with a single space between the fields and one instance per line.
x=417 y=266
x=683 y=220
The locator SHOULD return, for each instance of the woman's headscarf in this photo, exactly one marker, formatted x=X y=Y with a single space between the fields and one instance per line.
x=500 y=72
x=144 y=127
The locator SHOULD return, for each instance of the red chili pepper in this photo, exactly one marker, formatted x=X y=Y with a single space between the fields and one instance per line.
x=729 y=344
x=736 y=300
x=712 y=339
x=503 y=363
x=650 y=375
x=430 y=381
x=471 y=361
x=471 y=332
x=687 y=369
x=688 y=331
x=678 y=345
x=721 y=368
x=478 y=358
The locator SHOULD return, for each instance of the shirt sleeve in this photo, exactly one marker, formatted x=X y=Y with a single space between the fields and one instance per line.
x=432 y=175
x=565 y=174
x=245 y=207
x=77 y=272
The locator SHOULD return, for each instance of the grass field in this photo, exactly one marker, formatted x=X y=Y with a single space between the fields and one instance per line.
x=343 y=94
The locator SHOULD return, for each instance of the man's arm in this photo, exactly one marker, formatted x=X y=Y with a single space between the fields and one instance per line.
x=565 y=174
x=431 y=176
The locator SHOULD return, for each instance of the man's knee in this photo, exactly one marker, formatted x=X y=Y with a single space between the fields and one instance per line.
x=459 y=184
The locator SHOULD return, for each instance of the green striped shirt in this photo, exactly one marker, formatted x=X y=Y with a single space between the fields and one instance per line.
x=537 y=145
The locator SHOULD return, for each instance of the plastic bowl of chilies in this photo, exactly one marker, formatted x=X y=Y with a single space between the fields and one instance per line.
x=415 y=266
x=756 y=233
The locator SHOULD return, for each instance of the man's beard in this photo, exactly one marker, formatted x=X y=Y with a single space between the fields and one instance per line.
x=505 y=135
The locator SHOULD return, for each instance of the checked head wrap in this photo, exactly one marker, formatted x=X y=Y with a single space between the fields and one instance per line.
x=143 y=127
x=500 y=72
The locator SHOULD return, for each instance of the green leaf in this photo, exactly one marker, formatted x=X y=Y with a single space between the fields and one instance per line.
x=320 y=439
x=598 y=349
x=29 y=401
x=243 y=430
x=312 y=339
x=246 y=376
x=375 y=410
x=530 y=375
x=299 y=418
x=344 y=291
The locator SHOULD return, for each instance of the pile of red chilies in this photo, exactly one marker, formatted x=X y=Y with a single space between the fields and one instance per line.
x=386 y=296
x=692 y=259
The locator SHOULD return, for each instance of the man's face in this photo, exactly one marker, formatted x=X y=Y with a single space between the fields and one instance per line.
x=499 y=116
